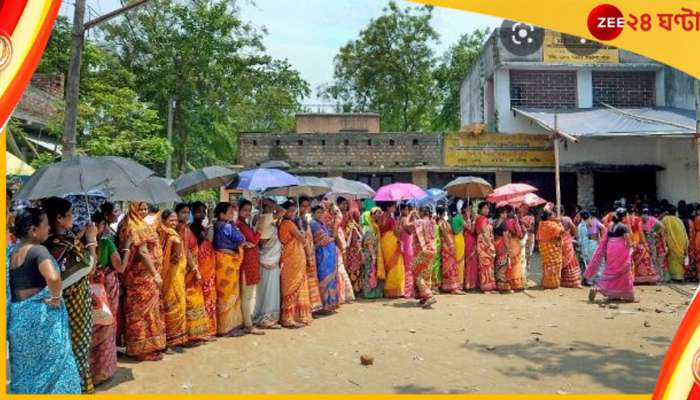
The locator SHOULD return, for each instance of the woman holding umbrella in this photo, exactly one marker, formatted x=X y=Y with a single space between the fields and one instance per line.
x=326 y=260
x=391 y=252
x=76 y=261
x=143 y=257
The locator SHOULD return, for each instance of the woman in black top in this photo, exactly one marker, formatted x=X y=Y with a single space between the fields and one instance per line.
x=76 y=261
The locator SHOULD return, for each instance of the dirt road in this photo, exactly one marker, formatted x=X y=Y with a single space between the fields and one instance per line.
x=534 y=342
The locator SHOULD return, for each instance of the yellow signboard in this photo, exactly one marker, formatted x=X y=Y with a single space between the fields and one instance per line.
x=558 y=48
x=498 y=150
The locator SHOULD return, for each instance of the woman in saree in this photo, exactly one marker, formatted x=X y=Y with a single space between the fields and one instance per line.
x=353 y=252
x=76 y=260
x=424 y=244
x=296 y=309
x=228 y=245
x=516 y=249
x=174 y=296
x=267 y=301
x=250 y=267
x=677 y=242
x=406 y=240
x=471 y=272
x=41 y=358
x=207 y=262
x=653 y=231
x=394 y=285
x=527 y=220
x=325 y=251
x=486 y=249
x=617 y=280
x=372 y=273
x=436 y=265
x=642 y=267
x=336 y=221
x=144 y=323
x=589 y=231
x=196 y=315
x=450 y=269
x=570 y=268
x=103 y=350
x=695 y=244
x=550 y=234
x=457 y=227
x=311 y=271
x=501 y=262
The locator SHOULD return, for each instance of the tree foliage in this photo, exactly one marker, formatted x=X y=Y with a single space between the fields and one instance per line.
x=391 y=68
x=213 y=64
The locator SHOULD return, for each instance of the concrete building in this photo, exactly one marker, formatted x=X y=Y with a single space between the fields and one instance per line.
x=633 y=117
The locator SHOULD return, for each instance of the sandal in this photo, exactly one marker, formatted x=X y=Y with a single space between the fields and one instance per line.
x=253 y=331
x=149 y=357
x=591 y=295
x=429 y=302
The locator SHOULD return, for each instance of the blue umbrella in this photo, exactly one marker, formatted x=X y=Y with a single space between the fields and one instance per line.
x=261 y=179
x=432 y=196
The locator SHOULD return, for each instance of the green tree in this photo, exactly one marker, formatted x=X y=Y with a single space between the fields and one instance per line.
x=388 y=69
x=214 y=65
x=450 y=73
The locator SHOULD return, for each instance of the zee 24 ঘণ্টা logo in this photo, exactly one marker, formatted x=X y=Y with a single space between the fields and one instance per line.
x=606 y=22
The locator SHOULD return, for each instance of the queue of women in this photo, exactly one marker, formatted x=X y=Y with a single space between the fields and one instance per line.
x=163 y=283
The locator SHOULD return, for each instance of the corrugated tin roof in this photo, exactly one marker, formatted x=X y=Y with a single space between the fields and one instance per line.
x=609 y=122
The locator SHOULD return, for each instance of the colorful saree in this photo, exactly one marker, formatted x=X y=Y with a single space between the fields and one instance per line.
x=267 y=300
x=353 y=253
x=570 y=269
x=677 y=244
x=696 y=244
x=69 y=254
x=460 y=250
x=450 y=269
x=653 y=234
x=40 y=354
x=326 y=254
x=295 y=306
x=471 y=275
x=486 y=249
x=103 y=349
x=207 y=268
x=311 y=271
x=406 y=239
x=501 y=263
x=436 y=265
x=174 y=292
x=393 y=260
x=617 y=281
x=228 y=292
x=642 y=267
x=550 y=234
x=346 y=294
x=424 y=243
x=144 y=324
x=372 y=272
x=196 y=315
x=515 y=252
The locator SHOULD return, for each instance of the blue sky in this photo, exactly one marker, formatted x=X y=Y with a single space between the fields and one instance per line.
x=309 y=32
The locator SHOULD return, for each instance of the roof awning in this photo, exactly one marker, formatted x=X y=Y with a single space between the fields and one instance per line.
x=615 y=122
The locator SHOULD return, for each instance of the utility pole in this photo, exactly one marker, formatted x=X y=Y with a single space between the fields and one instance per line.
x=557 y=178
x=70 y=117
x=169 y=164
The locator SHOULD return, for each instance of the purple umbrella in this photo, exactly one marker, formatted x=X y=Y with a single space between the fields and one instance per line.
x=399 y=192
x=261 y=179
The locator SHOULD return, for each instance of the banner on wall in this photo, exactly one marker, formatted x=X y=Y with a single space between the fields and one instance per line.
x=566 y=49
x=464 y=149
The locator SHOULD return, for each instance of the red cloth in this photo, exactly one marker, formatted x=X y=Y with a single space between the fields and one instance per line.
x=251 y=255
x=388 y=224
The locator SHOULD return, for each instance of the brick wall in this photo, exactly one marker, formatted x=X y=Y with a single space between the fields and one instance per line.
x=49 y=83
x=543 y=89
x=335 y=123
x=342 y=150
x=624 y=89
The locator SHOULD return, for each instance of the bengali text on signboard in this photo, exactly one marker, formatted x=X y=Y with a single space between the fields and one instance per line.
x=498 y=150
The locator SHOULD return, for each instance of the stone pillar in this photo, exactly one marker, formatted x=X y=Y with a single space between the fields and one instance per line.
x=503 y=178
x=584 y=185
x=419 y=177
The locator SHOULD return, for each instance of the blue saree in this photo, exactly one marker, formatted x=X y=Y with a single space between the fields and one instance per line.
x=326 y=266
x=41 y=358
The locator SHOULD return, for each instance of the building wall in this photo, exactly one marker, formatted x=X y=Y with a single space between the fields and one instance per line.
x=543 y=89
x=335 y=123
x=678 y=180
x=624 y=88
x=679 y=89
x=342 y=150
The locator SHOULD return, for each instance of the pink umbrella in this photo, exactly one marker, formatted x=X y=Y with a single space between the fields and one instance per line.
x=510 y=191
x=530 y=200
x=399 y=192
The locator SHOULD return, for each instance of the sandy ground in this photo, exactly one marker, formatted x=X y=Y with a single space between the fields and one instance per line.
x=533 y=342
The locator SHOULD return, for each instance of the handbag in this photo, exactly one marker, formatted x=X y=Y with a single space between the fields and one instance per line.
x=101 y=314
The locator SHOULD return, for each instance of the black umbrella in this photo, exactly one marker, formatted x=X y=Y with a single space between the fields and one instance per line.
x=203 y=179
x=154 y=190
x=81 y=174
